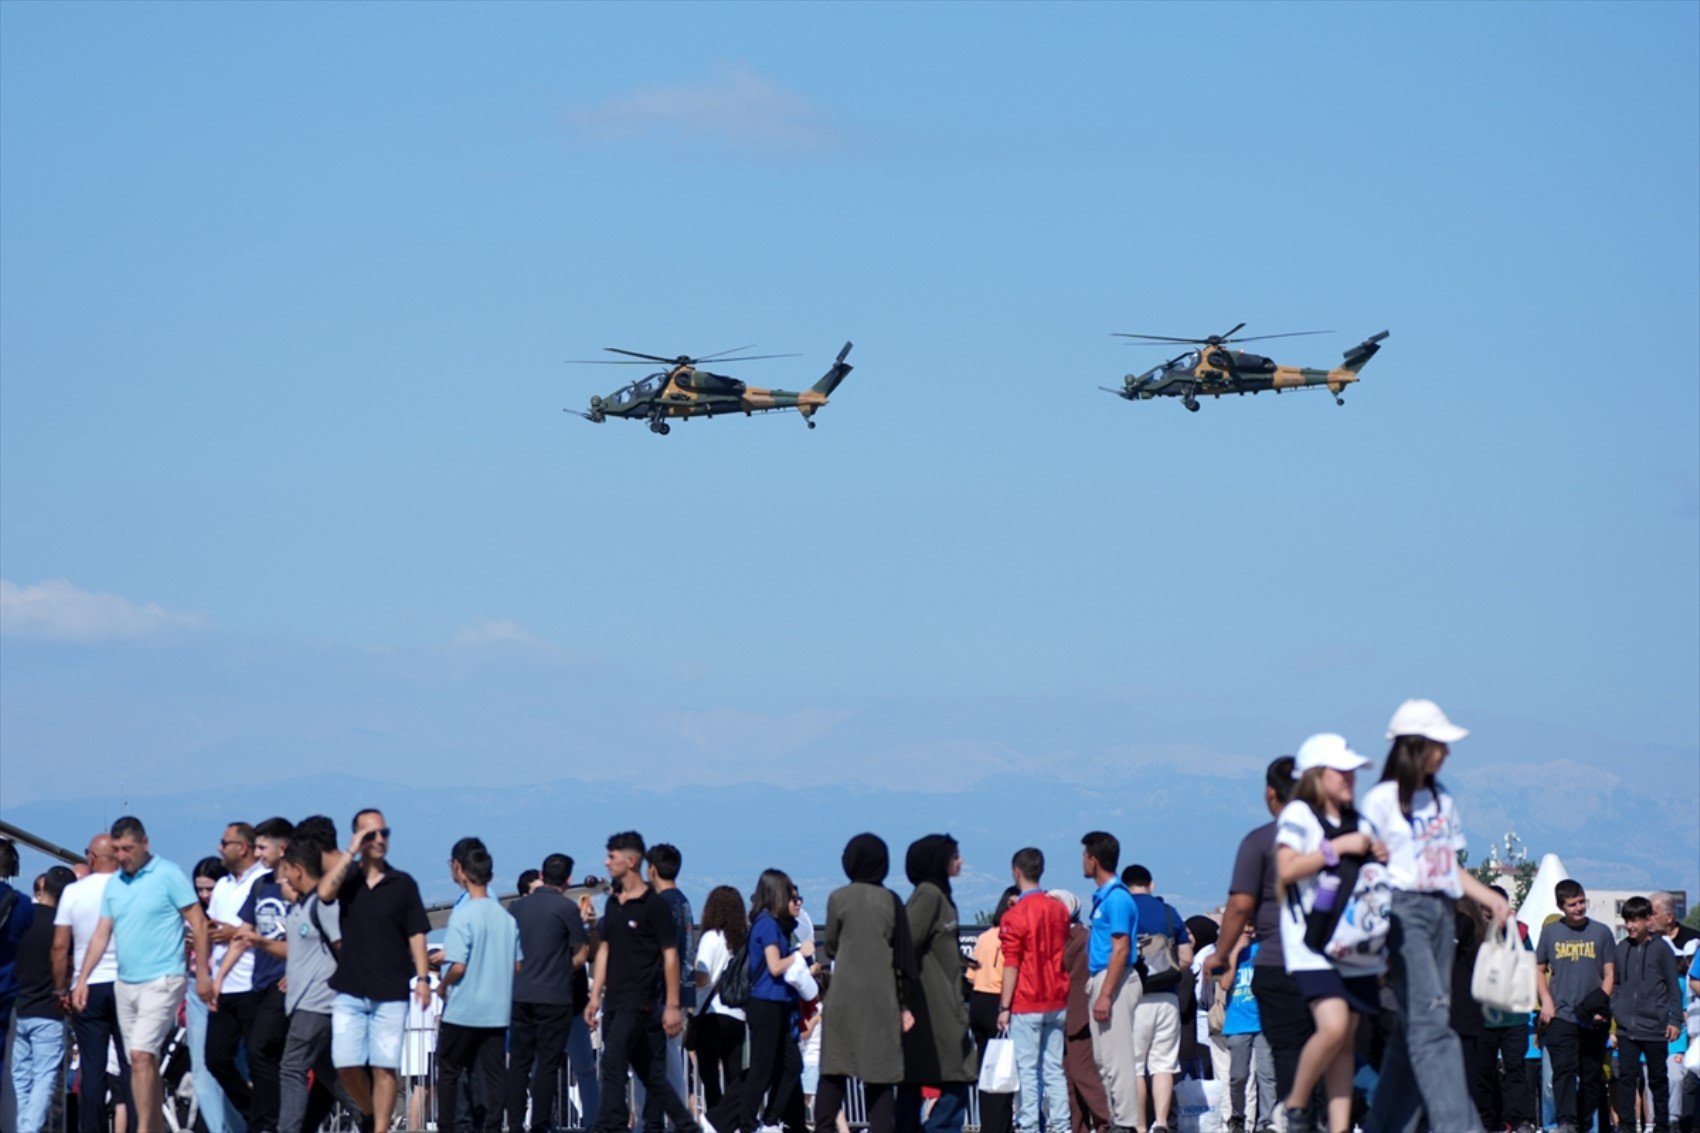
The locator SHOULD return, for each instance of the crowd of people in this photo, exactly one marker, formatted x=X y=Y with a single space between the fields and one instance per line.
x=1332 y=994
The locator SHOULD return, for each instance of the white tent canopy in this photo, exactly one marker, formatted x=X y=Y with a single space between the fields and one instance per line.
x=1540 y=903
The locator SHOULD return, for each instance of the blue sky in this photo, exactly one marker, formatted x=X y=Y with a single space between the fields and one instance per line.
x=285 y=293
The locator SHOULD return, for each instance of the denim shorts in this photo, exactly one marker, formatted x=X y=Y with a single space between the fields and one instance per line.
x=367 y=1032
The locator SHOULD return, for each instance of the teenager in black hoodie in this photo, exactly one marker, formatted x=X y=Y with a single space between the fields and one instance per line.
x=1646 y=1002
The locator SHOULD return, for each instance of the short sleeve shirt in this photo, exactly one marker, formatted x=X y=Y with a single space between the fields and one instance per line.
x=680 y=906
x=376 y=959
x=1422 y=851
x=1254 y=875
x=79 y=910
x=763 y=984
x=636 y=933
x=1299 y=828
x=1113 y=915
x=312 y=959
x=266 y=910
x=1241 y=1017
x=712 y=957
x=146 y=908
x=484 y=937
x=1576 y=960
x=230 y=893
x=550 y=931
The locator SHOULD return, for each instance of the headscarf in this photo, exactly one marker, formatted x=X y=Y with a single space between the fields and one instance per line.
x=1067 y=900
x=866 y=859
x=929 y=860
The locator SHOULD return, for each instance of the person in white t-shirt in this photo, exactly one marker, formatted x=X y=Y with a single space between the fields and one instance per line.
x=719 y=1028
x=96 y=1026
x=1313 y=832
x=1423 y=1066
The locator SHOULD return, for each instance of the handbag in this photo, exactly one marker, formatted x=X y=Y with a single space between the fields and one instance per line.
x=997 y=1069
x=1504 y=975
x=1218 y=1014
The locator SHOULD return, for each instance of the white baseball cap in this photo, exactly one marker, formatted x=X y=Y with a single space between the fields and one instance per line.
x=1326 y=749
x=1424 y=718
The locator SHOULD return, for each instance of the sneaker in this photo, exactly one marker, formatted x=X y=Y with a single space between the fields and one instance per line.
x=1236 y=1125
x=1159 y=1129
x=1300 y=1121
x=1526 y=1127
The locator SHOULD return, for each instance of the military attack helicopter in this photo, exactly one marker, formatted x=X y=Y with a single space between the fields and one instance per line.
x=685 y=390
x=1213 y=370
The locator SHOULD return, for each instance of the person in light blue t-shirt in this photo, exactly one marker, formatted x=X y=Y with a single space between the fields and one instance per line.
x=480 y=956
x=1242 y=1026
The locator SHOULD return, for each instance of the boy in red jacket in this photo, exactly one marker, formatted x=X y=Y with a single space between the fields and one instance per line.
x=1033 y=933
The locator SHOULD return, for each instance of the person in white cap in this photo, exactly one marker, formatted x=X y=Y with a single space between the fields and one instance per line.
x=1314 y=831
x=1423 y=1065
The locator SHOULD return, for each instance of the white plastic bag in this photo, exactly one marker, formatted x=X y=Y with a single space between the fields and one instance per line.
x=997 y=1069
x=1504 y=975
x=1198 y=1106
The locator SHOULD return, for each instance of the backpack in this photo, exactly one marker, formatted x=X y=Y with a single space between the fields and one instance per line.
x=732 y=988
x=1354 y=935
x=1159 y=964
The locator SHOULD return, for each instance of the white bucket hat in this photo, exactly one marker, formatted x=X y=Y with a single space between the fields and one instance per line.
x=1327 y=749
x=1424 y=718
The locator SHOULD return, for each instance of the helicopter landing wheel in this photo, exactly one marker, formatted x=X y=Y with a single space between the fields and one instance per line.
x=1191 y=405
x=811 y=424
x=664 y=428
x=1339 y=401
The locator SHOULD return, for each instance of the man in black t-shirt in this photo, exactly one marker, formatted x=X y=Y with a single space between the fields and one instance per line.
x=39 y=1046
x=383 y=949
x=635 y=990
x=553 y=941
x=1285 y=1019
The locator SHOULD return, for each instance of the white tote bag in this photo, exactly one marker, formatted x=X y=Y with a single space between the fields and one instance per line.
x=1504 y=976
x=997 y=1069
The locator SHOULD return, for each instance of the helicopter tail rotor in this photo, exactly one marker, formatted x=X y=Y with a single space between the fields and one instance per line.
x=840 y=369
x=1358 y=355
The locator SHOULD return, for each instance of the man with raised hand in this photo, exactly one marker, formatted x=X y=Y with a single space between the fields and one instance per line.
x=96 y=1027
x=383 y=947
x=248 y=1011
x=635 y=989
x=142 y=911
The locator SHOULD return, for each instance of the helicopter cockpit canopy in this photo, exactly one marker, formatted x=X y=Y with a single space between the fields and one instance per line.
x=709 y=383
x=640 y=389
x=1185 y=362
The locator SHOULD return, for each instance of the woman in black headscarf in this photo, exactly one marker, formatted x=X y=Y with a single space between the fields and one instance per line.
x=938 y=1051
x=873 y=968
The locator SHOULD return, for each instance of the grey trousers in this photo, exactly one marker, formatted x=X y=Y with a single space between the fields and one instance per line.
x=308 y=1047
x=1423 y=1067
x=1240 y=1051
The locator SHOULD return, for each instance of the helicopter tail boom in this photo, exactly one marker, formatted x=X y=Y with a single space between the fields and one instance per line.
x=832 y=377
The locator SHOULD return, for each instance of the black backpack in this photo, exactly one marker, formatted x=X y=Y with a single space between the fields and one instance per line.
x=732 y=989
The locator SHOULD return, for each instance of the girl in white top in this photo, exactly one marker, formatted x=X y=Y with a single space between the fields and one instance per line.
x=1311 y=834
x=1423 y=1065
x=720 y=1029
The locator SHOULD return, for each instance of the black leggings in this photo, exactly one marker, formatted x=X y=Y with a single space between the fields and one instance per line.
x=881 y=1099
x=720 y=1055
x=776 y=1063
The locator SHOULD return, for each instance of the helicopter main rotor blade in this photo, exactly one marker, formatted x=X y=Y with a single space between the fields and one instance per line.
x=635 y=354
x=1158 y=337
x=1230 y=334
x=1290 y=334
x=720 y=355
x=748 y=358
x=604 y=362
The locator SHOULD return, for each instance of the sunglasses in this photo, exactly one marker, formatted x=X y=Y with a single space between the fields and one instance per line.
x=381 y=832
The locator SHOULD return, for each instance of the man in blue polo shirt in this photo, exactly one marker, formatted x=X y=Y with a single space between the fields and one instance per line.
x=142 y=911
x=1113 y=988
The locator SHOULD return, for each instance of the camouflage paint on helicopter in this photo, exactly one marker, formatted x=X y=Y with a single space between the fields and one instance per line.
x=684 y=390
x=1212 y=370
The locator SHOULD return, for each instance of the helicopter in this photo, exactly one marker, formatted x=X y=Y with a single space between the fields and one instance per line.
x=1212 y=370
x=685 y=390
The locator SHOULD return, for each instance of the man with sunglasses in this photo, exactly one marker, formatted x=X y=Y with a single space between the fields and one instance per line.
x=383 y=950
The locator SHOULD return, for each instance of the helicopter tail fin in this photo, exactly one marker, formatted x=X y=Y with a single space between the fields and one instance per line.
x=830 y=380
x=1358 y=355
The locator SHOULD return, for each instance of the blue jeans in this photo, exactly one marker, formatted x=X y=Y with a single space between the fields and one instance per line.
x=1039 y=1038
x=948 y=1113
x=581 y=1060
x=37 y=1051
x=1423 y=1067
x=215 y=1108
